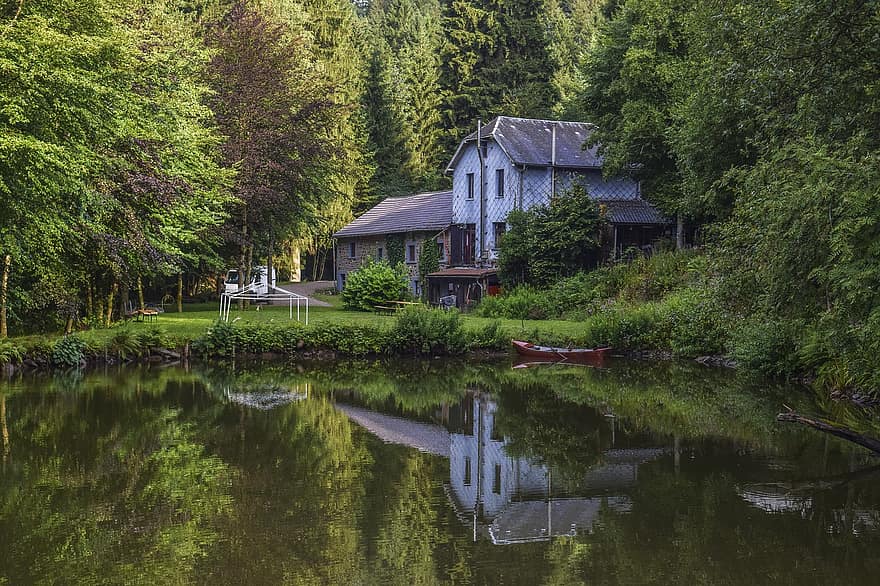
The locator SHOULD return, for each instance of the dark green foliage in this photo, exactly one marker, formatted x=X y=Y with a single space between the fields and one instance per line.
x=547 y=243
x=767 y=345
x=68 y=352
x=10 y=352
x=496 y=62
x=394 y=245
x=585 y=293
x=374 y=283
x=429 y=262
x=419 y=330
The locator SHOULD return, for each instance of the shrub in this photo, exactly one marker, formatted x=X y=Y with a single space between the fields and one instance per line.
x=375 y=283
x=491 y=336
x=357 y=340
x=10 y=352
x=218 y=340
x=68 y=352
x=521 y=303
x=696 y=323
x=419 y=330
x=766 y=345
x=631 y=328
x=125 y=344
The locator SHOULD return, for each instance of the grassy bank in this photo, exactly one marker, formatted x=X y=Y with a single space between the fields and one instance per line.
x=685 y=305
x=270 y=329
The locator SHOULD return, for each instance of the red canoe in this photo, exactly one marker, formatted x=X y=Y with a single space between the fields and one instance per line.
x=588 y=355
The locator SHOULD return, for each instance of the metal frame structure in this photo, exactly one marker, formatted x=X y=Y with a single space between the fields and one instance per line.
x=248 y=294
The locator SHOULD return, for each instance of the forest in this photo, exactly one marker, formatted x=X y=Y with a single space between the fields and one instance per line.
x=154 y=143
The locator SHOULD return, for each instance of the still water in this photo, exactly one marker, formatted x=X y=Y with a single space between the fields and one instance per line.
x=427 y=472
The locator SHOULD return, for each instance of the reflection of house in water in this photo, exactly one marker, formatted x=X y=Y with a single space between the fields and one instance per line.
x=514 y=496
x=512 y=500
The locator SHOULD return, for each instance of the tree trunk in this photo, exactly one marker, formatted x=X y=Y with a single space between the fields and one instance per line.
x=109 y=318
x=242 y=259
x=3 y=428
x=269 y=262
x=124 y=289
x=4 y=289
x=249 y=268
x=679 y=231
x=140 y=286
x=179 y=292
x=835 y=430
x=90 y=301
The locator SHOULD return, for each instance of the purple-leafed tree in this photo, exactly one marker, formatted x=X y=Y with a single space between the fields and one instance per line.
x=273 y=107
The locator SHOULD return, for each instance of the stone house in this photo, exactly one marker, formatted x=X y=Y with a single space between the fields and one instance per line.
x=517 y=163
x=402 y=222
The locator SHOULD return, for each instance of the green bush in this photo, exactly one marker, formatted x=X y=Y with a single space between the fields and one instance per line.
x=489 y=337
x=218 y=340
x=356 y=340
x=696 y=323
x=375 y=283
x=522 y=302
x=766 y=345
x=419 y=330
x=10 y=352
x=68 y=352
x=631 y=328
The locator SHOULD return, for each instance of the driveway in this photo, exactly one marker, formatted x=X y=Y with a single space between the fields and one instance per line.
x=308 y=289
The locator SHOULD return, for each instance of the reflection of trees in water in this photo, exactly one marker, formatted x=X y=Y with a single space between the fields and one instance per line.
x=95 y=493
x=92 y=488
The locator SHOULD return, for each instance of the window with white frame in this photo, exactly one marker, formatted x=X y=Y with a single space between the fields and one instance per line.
x=351 y=249
x=470 y=186
x=499 y=182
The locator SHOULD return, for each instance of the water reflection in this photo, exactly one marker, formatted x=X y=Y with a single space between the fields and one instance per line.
x=513 y=499
x=424 y=472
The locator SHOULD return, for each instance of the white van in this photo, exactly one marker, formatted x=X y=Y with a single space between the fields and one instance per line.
x=258 y=280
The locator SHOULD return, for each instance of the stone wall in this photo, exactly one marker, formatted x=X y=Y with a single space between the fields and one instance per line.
x=368 y=247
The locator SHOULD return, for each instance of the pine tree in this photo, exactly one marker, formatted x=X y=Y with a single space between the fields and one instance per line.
x=411 y=33
x=496 y=62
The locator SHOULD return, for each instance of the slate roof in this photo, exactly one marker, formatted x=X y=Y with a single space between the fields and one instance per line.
x=529 y=141
x=410 y=213
x=632 y=211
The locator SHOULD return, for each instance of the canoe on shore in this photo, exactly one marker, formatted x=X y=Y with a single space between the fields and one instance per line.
x=549 y=353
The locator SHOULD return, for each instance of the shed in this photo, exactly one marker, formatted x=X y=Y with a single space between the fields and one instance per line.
x=469 y=285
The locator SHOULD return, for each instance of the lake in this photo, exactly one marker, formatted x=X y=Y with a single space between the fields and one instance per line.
x=428 y=472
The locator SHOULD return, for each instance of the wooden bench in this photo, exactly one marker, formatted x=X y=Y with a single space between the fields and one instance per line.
x=384 y=309
x=143 y=314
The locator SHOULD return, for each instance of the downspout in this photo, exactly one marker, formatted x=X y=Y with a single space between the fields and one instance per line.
x=522 y=174
x=482 y=191
x=553 y=163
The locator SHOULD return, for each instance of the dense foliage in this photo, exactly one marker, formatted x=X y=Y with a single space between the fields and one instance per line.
x=546 y=243
x=376 y=283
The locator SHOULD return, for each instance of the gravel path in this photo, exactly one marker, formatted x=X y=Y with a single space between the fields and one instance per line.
x=308 y=289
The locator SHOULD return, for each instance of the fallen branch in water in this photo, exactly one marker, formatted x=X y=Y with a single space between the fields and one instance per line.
x=835 y=430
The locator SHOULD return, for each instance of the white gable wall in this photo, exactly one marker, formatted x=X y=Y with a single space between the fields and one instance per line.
x=467 y=211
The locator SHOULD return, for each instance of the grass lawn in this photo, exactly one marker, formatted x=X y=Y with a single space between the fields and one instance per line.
x=196 y=318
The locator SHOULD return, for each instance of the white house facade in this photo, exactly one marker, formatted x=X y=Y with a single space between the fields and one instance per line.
x=517 y=163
